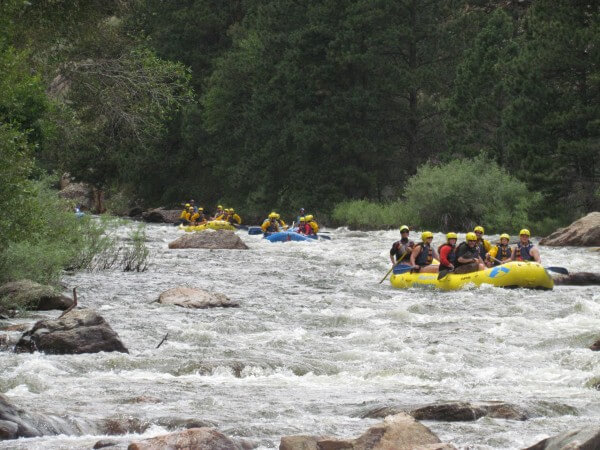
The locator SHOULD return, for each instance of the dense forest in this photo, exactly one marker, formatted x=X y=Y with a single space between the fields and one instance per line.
x=281 y=104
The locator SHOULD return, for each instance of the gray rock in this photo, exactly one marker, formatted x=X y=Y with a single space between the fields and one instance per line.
x=8 y=430
x=80 y=193
x=582 y=439
x=398 y=432
x=210 y=239
x=30 y=295
x=577 y=279
x=584 y=232
x=195 y=298
x=161 y=215
x=595 y=346
x=103 y=443
x=176 y=423
x=78 y=331
x=194 y=438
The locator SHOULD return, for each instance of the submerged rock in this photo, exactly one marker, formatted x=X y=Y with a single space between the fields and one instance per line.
x=161 y=215
x=398 y=432
x=582 y=439
x=577 y=279
x=16 y=422
x=31 y=295
x=453 y=411
x=210 y=239
x=195 y=298
x=584 y=232
x=78 y=331
x=595 y=346
x=194 y=438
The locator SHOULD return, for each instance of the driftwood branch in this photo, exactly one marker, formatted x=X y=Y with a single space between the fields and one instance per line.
x=73 y=305
x=163 y=340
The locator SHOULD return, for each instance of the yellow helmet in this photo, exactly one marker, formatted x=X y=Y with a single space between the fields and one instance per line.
x=277 y=216
x=451 y=235
x=426 y=235
x=302 y=219
x=273 y=215
x=191 y=208
x=404 y=228
x=471 y=236
x=231 y=210
x=479 y=228
x=505 y=236
x=187 y=205
x=219 y=207
x=524 y=231
x=200 y=209
x=308 y=218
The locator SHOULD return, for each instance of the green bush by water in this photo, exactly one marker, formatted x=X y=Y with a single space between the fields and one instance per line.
x=455 y=196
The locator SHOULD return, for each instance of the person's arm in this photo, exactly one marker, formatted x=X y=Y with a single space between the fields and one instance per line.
x=414 y=254
x=468 y=259
x=264 y=226
x=435 y=253
x=536 y=255
x=393 y=253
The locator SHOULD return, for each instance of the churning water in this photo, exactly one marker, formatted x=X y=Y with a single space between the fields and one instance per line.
x=315 y=344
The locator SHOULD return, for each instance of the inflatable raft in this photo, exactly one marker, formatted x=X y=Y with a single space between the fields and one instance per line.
x=510 y=275
x=285 y=236
x=213 y=225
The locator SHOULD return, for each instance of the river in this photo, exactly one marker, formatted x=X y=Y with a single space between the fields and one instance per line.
x=315 y=344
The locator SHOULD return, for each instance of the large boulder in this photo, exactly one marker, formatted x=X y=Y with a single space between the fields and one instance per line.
x=78 y=331
x=210 y=239
x=80 y=193
x=582 y=439
x=194 y=438
x=161 y=215
x=398 y=432
x=577 y=279
x=584 y=232
x=30 y=295
x=16 y=422
x=195 y=298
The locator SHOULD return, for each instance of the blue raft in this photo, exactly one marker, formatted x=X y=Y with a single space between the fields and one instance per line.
x=285 y=236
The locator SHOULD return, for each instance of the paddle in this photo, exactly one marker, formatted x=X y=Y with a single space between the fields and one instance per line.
x=389 y=271
x=561 y=270
x=255 y=230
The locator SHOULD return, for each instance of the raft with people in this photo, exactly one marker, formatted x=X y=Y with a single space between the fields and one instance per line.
x=210 y=225
x=515 y=274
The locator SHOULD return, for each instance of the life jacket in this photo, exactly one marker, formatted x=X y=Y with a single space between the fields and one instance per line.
x=481 y=249
x=302 y=228
x=503 y=253
x=459 y=249
x=273 y=226
x=396 y=246
x=451 y=254
x=425 y=257
x=522 y=252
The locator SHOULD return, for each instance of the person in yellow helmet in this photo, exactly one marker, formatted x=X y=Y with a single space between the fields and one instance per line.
x=184 y=213
x=280 y=221
x=198 y=217
x=233 y=218
x=525 y=250
x=311 y=227
x=401 y=250
x=190 y=214
x=499 y=253
x=218 y=213
x=483 y=245
x=446 y=252
x=270 y=224
x=422 y=255
x=467 y=256
x=301 y=225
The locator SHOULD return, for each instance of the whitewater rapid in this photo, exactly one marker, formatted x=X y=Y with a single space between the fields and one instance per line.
x=316 y=343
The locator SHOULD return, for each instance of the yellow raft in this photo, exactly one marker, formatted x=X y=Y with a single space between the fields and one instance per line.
x=213 y=225
x=510 y=275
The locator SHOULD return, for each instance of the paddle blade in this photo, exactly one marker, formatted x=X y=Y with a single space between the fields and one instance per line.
x=443 y=273
x=327 y=238
x=561 y=270
x=254 y=230
x=401 y=268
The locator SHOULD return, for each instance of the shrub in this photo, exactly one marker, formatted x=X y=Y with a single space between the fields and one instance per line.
x=363 y=214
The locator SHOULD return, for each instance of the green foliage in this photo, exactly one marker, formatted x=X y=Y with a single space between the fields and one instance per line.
x=135 y=256
x=452 y=197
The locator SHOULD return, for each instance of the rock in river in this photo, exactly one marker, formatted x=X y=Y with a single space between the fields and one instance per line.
x=220 y=239
x=584 y=232
x=195 y=298
x=194 y=438
x=78 y=331
x=398 y=432
x=582 y=439
x=161 y=215
x=577 y=279
x=30 y=295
